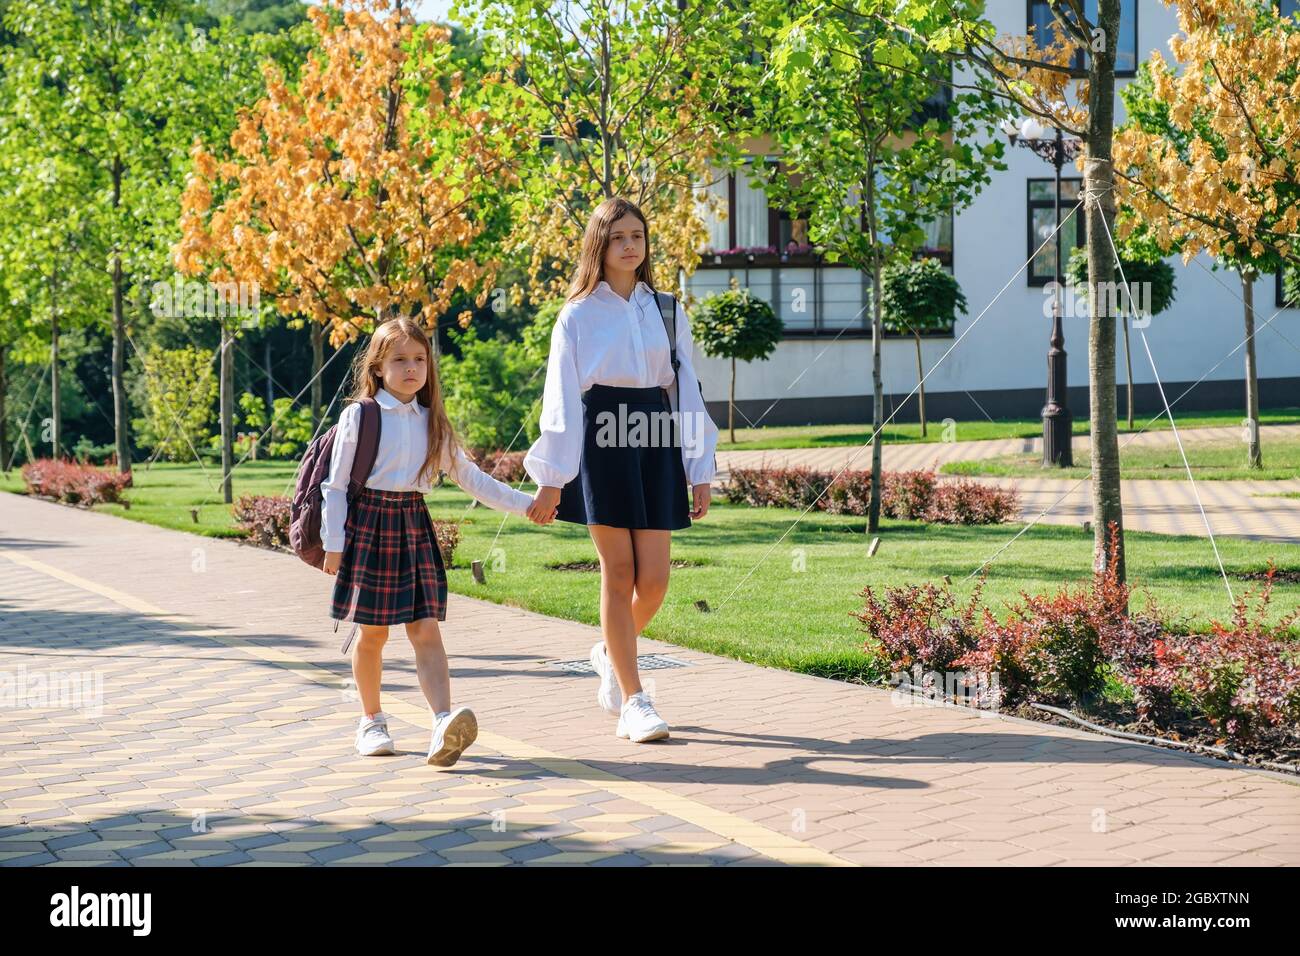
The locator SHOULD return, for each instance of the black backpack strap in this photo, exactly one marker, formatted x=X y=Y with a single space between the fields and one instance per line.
x=367 y=446
x=668 y=311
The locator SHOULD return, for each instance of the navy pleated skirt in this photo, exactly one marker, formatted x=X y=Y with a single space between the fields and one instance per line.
x=638 y=480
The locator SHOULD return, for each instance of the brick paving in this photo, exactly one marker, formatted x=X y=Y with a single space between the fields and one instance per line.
x=215 y=728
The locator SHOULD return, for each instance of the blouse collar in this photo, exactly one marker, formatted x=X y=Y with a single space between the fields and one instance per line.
x=604 y=286
x=387 y=399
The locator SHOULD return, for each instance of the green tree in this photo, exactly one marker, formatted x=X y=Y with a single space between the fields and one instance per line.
x=1208 y=158
x=178 y=391
x=493 y=390
x=616 y=99
x=1143 y=272
x=739 y=326
x=117 y=90
x=920 y=296
x=861 y=151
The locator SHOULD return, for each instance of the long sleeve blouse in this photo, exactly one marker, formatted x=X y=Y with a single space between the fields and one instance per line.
x=403 y=443
x=605 y=339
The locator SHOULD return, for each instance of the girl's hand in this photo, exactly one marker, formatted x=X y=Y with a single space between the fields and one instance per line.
x=332 y=561
x=702 y=494
x=545 y=502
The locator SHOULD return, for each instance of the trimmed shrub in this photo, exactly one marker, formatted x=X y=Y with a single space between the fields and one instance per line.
x=907 y=495
x=506 y=466
x=448 y=535
x=265 y=518
x=969 y=502
x=74 y=483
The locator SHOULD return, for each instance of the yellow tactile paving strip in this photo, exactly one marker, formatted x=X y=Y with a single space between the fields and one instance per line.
x=705 y=828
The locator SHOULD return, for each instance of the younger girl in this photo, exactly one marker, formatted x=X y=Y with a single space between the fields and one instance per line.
x=384 y=555
x=610 y=363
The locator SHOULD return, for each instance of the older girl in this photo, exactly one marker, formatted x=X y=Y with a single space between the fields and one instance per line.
x=610 y=364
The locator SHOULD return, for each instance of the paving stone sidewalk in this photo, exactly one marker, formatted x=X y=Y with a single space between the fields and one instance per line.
x=215 y=728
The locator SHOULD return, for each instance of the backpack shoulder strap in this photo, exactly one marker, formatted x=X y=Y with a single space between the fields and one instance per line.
x=367 y=445
x=668 y=311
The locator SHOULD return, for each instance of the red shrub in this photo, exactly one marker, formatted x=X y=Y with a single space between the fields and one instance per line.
x=265 y=518
x=1242 y=676
x=920 y=625
x=907 y=495
x=448 y=535
x=969 y=502
x=72 y=482
x=506 y=466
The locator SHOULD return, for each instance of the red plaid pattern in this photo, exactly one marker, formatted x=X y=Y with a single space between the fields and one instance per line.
x=392 y=571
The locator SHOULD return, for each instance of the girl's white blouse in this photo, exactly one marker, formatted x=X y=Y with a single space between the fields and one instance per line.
x=403 y=442
x=605 y=339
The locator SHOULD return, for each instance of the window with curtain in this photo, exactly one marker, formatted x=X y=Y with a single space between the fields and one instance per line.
x=718 y=226
x=750 y=211
x=1040 y=215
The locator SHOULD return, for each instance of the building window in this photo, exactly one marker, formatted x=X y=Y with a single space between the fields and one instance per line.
x=749 y=212
x=1288 y=284
x=1046 y=29
x=1041 y=222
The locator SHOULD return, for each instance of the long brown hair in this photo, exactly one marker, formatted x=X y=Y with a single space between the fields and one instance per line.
x=367 y=380
x=595 y=242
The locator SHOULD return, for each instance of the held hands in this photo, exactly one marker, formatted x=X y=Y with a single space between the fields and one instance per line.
x=544 y=506
x=701 y=494
x=332 y=561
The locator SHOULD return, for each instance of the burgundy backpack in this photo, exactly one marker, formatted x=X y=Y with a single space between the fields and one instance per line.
x=305 y=510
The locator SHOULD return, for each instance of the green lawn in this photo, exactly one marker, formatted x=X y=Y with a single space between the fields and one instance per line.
x=780 y=616
x=1214 y=461
x=820 y=436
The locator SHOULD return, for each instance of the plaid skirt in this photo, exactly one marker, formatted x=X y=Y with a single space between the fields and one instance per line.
x=392 y=570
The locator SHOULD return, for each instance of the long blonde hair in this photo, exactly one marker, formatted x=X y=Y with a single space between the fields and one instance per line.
x=595 y=242
x=368 y=379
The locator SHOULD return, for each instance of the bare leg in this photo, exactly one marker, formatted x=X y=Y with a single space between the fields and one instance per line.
x=368 y=664
x=431 y=663
x=617 y=580
x=651 y=547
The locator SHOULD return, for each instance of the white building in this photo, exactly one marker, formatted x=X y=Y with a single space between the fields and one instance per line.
x=821 y=371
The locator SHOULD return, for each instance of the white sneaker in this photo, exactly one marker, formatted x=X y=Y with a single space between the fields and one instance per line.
x=608 y=695
x=639 y=722
x=452 y=733
x=373 y=738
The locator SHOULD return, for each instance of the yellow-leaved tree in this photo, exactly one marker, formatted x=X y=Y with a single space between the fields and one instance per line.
x=1209 y=160
x=348 y=195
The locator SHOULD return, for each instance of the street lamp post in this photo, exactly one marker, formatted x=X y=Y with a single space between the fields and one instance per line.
x=1057 y=421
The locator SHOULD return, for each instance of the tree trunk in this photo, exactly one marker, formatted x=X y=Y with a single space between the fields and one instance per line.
x=6 y=456
x=119 y=373
x=317 y=360
x=920 y=379
x=731 y=404
x=1128 y=373
x=877 y=332
x=1254 y=457
x=119 y=345
x=1107 y=507
x=266 y=363
x=56 y=417
x=227 y=413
